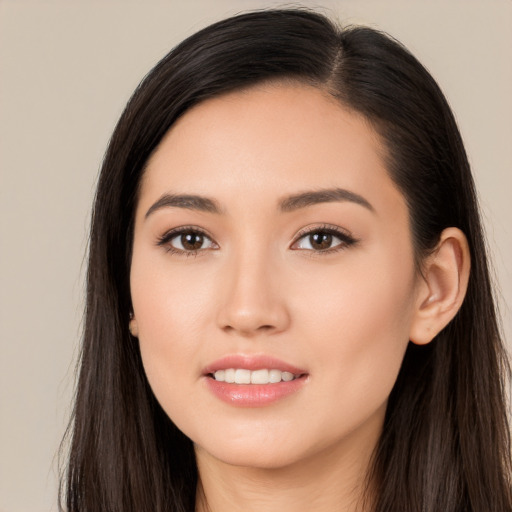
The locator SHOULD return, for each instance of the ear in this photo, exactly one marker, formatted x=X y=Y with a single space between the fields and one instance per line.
x=133 y=326
x=442 y=286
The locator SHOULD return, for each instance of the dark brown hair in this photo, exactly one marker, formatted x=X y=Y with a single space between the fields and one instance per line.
x=445 y=442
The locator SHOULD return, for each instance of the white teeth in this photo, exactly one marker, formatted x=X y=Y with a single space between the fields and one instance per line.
x=220 y=375
x=259 y=377
x=242 y=376
x=275 y=376
x=287 y=376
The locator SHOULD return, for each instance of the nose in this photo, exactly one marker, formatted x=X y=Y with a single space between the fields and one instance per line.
x=253 y=298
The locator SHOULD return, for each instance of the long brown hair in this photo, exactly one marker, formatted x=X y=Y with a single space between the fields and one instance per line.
x=445 y=443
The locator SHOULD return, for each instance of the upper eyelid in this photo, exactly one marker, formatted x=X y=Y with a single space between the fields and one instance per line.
x=171 y=233
x=336 y=230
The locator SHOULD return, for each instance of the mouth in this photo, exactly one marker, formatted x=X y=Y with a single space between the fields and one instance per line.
x=254 y=380
x=261 y=376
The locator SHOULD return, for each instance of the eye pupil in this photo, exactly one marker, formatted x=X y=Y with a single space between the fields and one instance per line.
x=192 y=241
x=320 y=240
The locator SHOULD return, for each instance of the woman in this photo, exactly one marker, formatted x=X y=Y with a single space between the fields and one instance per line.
x=288 y=301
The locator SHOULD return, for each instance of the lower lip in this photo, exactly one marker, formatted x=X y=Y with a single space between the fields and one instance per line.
x=254 y=395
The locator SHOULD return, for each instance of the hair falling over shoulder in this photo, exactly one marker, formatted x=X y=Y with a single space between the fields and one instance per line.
x=445 y=445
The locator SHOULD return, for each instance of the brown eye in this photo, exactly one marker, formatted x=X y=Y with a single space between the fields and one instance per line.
x=191 y=241
x=187 y=241
x=323 y=240
x=320 y=241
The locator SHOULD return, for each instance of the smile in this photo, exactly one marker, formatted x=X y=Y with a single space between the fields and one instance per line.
x=253 y=380
x=243 y=376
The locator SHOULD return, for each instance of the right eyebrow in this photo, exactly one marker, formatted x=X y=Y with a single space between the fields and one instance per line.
x=187 y=201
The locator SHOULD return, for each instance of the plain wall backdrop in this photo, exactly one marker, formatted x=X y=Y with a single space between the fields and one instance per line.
x=67 y=69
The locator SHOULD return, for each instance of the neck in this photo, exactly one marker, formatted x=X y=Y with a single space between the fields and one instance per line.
x=331 y=481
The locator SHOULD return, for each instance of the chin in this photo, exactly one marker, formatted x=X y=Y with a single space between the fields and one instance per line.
x=251 y=457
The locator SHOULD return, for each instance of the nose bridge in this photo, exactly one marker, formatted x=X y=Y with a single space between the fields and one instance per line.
x=252 y=301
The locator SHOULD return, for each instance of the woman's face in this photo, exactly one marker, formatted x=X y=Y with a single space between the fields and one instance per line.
x=269 y=239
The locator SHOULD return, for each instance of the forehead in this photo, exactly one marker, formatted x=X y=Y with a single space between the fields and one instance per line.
x=265 y=141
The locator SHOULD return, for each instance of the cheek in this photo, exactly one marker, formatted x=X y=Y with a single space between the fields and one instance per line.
x=169 y=299
x=359 y=321
x=170 y=307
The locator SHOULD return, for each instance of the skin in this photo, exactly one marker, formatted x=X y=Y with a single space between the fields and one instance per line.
x=258 y=286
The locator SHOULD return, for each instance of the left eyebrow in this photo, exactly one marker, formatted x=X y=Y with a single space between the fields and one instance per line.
x=310 y=198
x=187 y=201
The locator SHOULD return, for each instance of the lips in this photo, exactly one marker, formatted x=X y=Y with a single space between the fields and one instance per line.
x=252 y=363
x=253 y=381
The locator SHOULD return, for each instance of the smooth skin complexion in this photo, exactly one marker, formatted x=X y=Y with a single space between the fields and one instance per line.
x=267 y=226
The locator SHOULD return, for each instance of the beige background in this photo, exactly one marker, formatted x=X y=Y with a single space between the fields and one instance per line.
x=66 y=71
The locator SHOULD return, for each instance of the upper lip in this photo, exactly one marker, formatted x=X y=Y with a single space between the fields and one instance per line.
x=252 y=362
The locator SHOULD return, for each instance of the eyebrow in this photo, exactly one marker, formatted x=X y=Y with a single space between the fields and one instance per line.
x=288 y=204
x=187 y=201
x=331 y=195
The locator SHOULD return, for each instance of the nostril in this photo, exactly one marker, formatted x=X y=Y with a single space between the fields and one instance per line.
x=254 y=314
x=249 y=330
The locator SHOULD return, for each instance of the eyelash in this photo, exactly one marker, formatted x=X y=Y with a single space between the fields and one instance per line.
x=165 y=239
x=345 y=239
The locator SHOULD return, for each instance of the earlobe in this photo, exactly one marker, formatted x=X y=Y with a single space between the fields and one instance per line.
x=443 y=286
x=134 y=328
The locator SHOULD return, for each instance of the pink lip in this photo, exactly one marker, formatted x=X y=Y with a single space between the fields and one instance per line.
x=253 y=395
x=254 y=362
